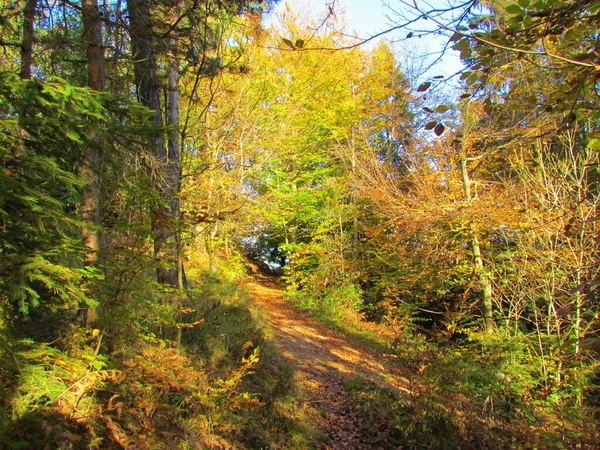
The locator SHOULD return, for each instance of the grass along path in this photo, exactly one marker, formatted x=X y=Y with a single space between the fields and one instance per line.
x=325 y=361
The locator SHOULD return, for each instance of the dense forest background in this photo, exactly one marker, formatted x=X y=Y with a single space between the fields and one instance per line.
x=154 y=153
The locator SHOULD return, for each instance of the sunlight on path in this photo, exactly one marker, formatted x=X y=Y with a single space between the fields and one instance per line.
x=324 y=361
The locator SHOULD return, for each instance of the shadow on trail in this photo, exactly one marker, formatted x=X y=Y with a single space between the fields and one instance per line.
x=311 y=344
x=327 y=363
x=366 y=401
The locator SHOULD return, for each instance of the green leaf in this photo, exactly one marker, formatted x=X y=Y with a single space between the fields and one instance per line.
x=431 y=125
x=456 y=36
x=423 y=87
x=74 y=136
x=472 y=78
x=288 y=43
x=515 y=9
x=462 y=45
x=466 y=53
x=594 y=144
x=442 y=109
x=524 y=3
x=98 y=365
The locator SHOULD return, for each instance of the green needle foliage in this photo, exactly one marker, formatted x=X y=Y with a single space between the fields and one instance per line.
x=42 y=131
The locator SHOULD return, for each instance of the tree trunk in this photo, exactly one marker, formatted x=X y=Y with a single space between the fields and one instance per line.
x=174 y=168
x=480 y=272
x=28 y=35
x=174 y=160
x=92 y=30
x=90 y=194
x=148 y=91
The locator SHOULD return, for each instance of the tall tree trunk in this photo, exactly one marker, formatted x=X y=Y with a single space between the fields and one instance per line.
x=174 y=160
x=90 y=194
x=148 y=91
x=480 y=272
x=28 y=35
x=174 y=164
x=92 y=30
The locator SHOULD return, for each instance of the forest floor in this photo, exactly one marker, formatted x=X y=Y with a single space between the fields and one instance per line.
x=325 y=361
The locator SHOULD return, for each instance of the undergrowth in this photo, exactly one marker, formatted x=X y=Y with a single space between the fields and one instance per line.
x=482 y=391
x=226 y=387
x=395 y=421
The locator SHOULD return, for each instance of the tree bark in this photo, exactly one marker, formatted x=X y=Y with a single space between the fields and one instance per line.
x=90 y=193
x=28 y=35
x=92 y=31
x=174 y=166
x=174 y=149
x=148 y=91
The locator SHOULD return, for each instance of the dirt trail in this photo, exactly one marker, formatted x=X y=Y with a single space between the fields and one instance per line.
x=324 y=360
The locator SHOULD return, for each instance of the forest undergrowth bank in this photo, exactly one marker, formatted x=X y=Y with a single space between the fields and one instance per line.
x=474 y=391
x=226 y=387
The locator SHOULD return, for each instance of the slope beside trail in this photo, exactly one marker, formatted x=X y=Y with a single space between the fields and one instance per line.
x=325 y=360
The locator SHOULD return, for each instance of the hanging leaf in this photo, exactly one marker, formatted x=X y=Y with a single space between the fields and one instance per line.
x=299 y=43
x=429 y=110
x=288 y=43
x=442 y=109
x=431 y=125
x=423 y=87
x=409 y=35
x=439 y=129
x=472 y=79
x=462 y=45
x=456 y=36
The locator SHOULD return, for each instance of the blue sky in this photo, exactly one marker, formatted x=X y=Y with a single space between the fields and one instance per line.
x=368 y=17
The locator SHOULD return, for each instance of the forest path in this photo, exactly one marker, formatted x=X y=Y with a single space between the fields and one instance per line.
x=325 y=360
